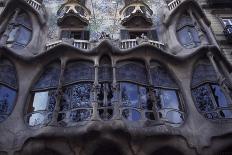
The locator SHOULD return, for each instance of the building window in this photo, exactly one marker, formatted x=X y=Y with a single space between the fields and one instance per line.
x=20 y=31
x=167 y=95
x=150 y=34
x=210 y=98
x=77 y=35
x=76 y=103
x=43 y=96
x=8 y=88
x=105 y=96
x=227 y=21
x=132 y=78
x=187 y=33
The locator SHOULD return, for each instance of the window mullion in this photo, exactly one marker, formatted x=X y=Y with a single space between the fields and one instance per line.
x=58 y=95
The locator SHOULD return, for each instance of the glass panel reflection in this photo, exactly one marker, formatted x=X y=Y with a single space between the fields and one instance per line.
x=167 y=99
x=174 y=117
x=7 y=100
x=80 y=115
x=129 y=94
x=131 y=114
x=219 y=96
x=40 y=107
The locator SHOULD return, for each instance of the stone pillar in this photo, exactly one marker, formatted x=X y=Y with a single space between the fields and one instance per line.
x=116 y=91
x=9 y=27
x=59 y=94
x=151 y=95
x=220 y=77
x=95 y=90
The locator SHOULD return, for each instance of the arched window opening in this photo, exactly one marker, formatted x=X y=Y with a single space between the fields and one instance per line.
x=8 y=88
x=19 y=30
x=167 y=151
x=132 y=78
x=43 y=96
x=76 y=105
x=210 y=98
x=167 y=95
x=187 y=32
x=105 y=96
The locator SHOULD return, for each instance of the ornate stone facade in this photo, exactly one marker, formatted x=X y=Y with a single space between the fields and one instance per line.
x=119 y=77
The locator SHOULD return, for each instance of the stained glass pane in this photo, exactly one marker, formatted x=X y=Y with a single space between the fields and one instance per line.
x=7 y=101
x=24 y=36
x=203 y=99
x=185 y=36
x=132 y=72
x=79 y=71
x=219 y=96
x=77 y=96
x=131 y=115
x=7 y=73
x=80 y=115
x=203 y=72
x=129 y=94
x=161 y=78
x=49 y=78
x=167 y=99
x=24 y=19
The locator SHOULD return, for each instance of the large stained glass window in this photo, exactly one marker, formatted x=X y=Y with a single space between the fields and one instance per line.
x=187 y=33
x=133 y=82
x=43 y=96
x=167 y=95
x=8 y=88
x=20 y=31
x=210 y=98
x=106 y=95
x=76 y=105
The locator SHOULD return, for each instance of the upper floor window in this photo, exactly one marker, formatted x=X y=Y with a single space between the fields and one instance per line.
x=43 y=96
x=227 y=23
x=187 y=33
x=19 y=30
x=8 y=88
x=146 y=34
x=77 y=35
x=167 y=94
x=210 y=98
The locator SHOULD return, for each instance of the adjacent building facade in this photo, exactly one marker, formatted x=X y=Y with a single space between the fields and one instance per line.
x=118 y=77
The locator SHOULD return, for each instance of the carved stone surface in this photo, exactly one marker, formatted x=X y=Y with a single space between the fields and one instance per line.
x=7 y=73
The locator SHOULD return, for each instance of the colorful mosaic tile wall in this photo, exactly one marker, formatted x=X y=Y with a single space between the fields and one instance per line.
x=104 y=18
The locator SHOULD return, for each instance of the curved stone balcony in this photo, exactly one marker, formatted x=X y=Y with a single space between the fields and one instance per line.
x=74 y=10
x=136 y=9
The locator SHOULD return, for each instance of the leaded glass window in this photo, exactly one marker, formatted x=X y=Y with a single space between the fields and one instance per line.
x=167 y=95
x=187 y=33
x=106 y=95
x=20 y=31
x=8 y=88
x=43 y=96
x=209 y=97
x=76 y=105
x=132 y=78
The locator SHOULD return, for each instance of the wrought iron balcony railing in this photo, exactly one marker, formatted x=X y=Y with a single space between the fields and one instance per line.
x=228 y=32
x=36 y=5
x=173 y=4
